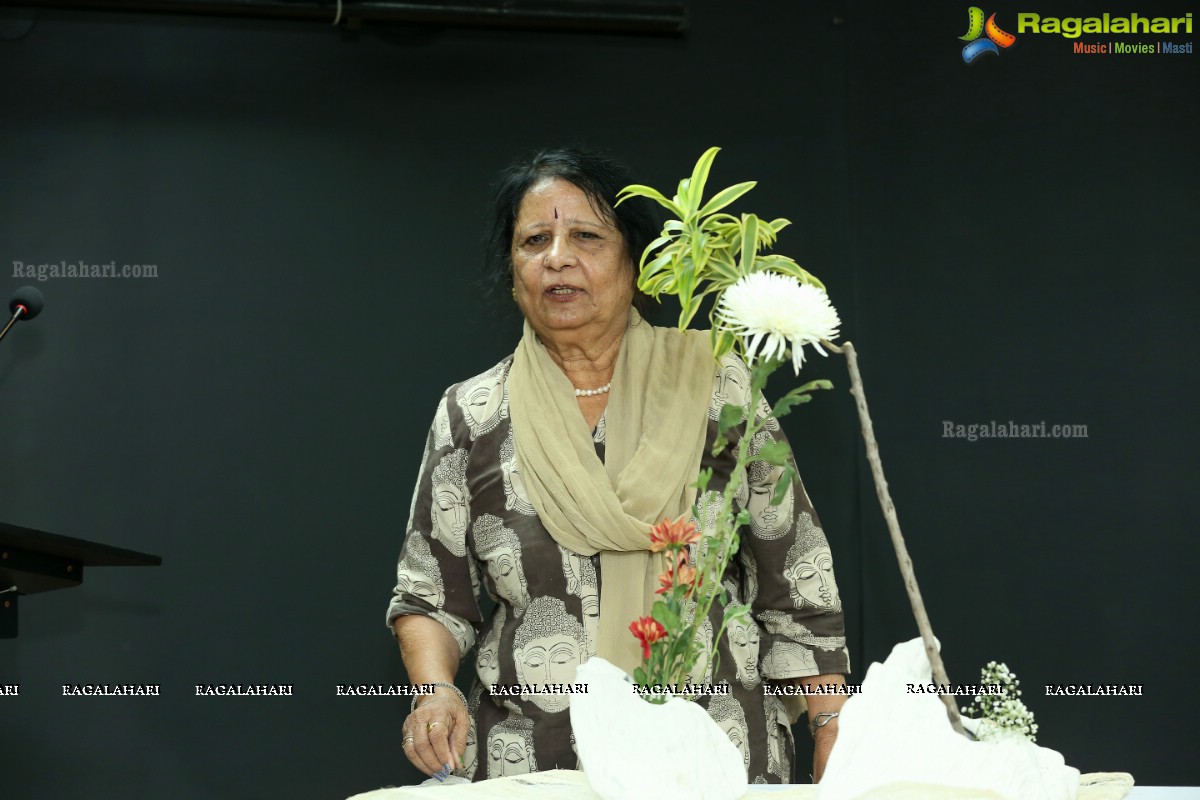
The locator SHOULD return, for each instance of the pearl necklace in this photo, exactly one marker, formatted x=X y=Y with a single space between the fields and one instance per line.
x=593 y=392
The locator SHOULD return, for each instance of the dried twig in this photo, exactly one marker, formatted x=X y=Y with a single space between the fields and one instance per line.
x=893 y=524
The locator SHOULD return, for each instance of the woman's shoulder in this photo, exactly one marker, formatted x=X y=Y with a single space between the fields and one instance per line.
x=493 y=374
x=479 y=404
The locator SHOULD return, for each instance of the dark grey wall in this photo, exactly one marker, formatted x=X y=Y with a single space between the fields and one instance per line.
x=1010 y=240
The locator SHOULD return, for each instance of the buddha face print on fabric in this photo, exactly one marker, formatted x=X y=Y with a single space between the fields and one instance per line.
x=548 y=649
x=482 y=400
x=730 y=717
x=767 y=520
x=743 y=645
x=451 y=501
x=809 y=568
x=418 y=573
x=500 y=549
x=515 y=496
x=731 y=385
x=487 y=659
x=510 y=747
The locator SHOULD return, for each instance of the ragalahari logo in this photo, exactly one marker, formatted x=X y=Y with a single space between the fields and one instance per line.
x=976 y=27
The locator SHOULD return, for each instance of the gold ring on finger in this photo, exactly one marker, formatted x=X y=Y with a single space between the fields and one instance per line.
x=433 y=725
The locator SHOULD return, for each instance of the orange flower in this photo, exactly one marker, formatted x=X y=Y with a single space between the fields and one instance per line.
x=689 y=576
x=676 y=533
x=648 y=631
x=682 y=574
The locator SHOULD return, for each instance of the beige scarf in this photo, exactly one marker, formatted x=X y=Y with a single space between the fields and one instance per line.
x=655 y=427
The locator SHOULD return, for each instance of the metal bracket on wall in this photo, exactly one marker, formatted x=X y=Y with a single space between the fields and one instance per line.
x=8 y=613
x=33 y=561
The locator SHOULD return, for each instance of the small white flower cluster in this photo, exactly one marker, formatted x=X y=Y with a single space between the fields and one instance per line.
x=1003 y=714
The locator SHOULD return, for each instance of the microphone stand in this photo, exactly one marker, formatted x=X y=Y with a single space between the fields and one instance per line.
x=17 y=313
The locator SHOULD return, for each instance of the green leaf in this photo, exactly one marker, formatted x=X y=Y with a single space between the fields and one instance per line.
x=730 y=415
x=759 y=374
x=781 y=486
x=786 y=266
x=775 y=452
x=798 y=395
x=725 y=197
x=700 y=177
x=812 y=386
x=701 y=483
x=638 y=190
x=749 y=242
x=736 y=611
x=665 y=616
x=785 y=403
x=723 y=341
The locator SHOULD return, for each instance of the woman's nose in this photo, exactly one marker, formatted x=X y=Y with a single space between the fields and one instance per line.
x=559 y=255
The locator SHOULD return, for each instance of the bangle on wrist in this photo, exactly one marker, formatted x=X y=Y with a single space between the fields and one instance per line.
x=413 y=706
x=821 y=720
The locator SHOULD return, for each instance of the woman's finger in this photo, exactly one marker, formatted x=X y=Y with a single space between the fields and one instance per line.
x=426 y=760
x=416 y=744
x=439 y=738
x=458 y=737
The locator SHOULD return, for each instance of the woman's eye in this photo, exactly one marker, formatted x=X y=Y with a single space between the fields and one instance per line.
x=537 y=238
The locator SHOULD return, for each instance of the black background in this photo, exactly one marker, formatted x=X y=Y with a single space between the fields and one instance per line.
x=1010 y=240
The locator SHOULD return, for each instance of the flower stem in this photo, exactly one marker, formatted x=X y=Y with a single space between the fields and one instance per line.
x=893 y=524
x=727 y=522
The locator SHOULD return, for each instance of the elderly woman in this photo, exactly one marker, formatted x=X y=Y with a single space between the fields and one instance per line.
x=541 y=478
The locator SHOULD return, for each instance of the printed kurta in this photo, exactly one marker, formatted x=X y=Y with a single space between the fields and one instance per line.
x=471 y=528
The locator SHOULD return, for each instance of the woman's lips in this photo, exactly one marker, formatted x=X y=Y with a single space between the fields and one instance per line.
x=563 y=294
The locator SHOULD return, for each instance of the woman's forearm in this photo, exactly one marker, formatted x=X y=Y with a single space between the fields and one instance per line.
x=428 y=649
x=435 y=733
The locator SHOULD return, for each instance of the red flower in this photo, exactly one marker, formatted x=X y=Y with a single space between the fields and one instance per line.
x=648 y=631
x=673 y=533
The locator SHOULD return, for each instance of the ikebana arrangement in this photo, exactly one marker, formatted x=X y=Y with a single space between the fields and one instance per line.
x=767 y=309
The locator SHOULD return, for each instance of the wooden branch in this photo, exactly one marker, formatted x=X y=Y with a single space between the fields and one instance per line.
x=893 y=524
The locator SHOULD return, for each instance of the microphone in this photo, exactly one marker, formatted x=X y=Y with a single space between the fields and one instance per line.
x=27 y=303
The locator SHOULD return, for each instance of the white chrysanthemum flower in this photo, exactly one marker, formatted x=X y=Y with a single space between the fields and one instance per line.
x=775 y=311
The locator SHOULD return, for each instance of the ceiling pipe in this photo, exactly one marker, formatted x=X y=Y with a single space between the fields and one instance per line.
x=653 y=17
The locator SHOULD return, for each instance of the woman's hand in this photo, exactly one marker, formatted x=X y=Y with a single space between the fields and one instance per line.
x=435 y=733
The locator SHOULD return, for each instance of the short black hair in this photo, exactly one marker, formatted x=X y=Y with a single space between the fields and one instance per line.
x=599 y=177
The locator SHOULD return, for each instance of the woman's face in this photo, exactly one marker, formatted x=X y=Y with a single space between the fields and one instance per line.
x=572 y=276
